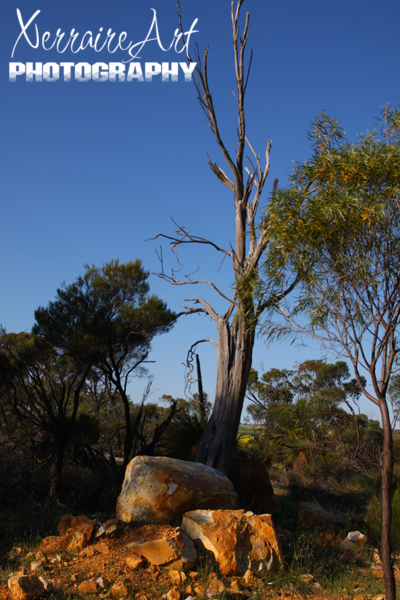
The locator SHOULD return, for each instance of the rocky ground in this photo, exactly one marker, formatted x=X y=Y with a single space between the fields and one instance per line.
x=107 y=568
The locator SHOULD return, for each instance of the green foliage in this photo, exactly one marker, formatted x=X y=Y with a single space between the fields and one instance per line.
x=338 y=229
x=301 y=415
x=187 y=427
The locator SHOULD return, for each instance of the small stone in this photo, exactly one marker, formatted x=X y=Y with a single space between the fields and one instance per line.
x=174 y=594
x=114 y=528
x=102 y=582
x=356 y=537
x=100 y=532
x=74 y=577
x=376 y=557
x=37 y=565
x=119 y=590
x=134 y=562
x=235 y=585
x=216 y=587
x=88 y=587
x=193 y=575
x=201 y=591
x=249 y=578
x=101 y=547
x=48 y=585
x=175 y=577
x=89 y=552
x=189 y=590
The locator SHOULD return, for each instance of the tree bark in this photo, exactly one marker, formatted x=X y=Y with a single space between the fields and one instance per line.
x=387 y=473
x=57 y=469
x=235 y=349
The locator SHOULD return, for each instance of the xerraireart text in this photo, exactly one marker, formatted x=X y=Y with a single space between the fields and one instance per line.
x=128 y=70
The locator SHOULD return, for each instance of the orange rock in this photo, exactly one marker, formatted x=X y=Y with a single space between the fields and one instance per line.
x=88 y=587
x=235 y=585
x=177 y=551
x=201 y=591
x=174 y=594
x=80 y=533
x=215 y=587
x=177 y=577
x=134 y=562
x=119 y=590
x=24 y=587
x=157 y=490
x=101 y=547
x=238 y=540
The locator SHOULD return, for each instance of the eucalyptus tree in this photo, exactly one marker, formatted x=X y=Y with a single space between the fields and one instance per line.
x=338 y=230
x=107 y=319
x=236 y=324
x=43 y=387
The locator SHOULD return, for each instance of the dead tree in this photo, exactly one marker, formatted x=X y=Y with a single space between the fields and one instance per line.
x=236 y=327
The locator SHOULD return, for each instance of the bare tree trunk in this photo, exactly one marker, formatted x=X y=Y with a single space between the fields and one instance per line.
x=387 y=472
x=201 y=394
x=235 y=349
x=56 y=470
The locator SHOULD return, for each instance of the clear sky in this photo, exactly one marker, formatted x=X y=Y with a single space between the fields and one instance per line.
x=91 y=170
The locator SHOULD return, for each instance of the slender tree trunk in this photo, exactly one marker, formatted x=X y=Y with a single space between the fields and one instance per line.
x=56 y=471
x=235 y=349
x=201 y=394
x=387 y=472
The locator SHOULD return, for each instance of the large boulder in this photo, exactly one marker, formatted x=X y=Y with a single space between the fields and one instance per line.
x=239 y=540
x=158 y=490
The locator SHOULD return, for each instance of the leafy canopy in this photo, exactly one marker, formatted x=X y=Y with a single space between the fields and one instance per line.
x=337 y=228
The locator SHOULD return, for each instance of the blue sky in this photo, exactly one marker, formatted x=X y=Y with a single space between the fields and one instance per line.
x=91 y=170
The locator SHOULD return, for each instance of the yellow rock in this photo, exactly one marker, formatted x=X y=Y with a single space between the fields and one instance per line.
x=227 y=533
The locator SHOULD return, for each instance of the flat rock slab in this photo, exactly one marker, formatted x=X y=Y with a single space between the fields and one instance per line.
x=177 y=550
x=159 y=490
